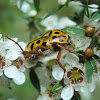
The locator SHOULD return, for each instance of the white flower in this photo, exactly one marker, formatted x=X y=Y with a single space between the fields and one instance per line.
x=86 y=89
x=17 y=76
x=43 y=76
x=65 y=21
x=58 y=73
x=67 y=93
x=45 y=96
x=11 y=71
x=81 y=43
x=12 y=61
x=25 y=6
x=92 y=8
x=53 y=22
x=76 y=6
x=46 y=59
x=96 y=52
x=74 y=77
x=10 y=43
x=50 y=22
x=14 y=51
x=19 y=79
x=71 y=59
x=4 y=62
x=94 y=23
x=62 y=2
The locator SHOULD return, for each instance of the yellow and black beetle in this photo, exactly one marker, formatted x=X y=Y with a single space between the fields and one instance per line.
x=54 y=40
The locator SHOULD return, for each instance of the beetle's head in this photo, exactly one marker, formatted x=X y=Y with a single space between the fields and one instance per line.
x=71 y=42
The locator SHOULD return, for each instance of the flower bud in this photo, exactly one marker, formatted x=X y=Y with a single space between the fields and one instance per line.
x=32 y=13
x=89 y=52
x=62 y=2
x=89 y=31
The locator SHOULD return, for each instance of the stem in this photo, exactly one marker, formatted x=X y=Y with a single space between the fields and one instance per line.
x=98 y=32
x=37 y=27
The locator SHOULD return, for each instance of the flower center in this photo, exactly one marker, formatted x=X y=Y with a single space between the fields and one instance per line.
x=75 y=75
x=2 y=62
x=18 y=63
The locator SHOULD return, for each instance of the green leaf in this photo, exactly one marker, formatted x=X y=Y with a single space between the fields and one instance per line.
x=95 y=40
x=34 y=80
x=21 y=3
x=76 y=97
x=80 y=51
x=87 y=10
x=58 y=86
x=95 y=16
x=93 y=65
x=89 y=70
x=74 y=31
x=96 y=58
x=37 y=3
x=54 y=11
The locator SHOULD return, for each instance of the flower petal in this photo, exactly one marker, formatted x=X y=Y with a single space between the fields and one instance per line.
x=92 y=86
x=58 y=73
x=12 y=54
x=11 y=71
x=71 y=59
x=45 y=96
x=19 y=79
x=23 y=45
x=67 y=93
x=62 y=2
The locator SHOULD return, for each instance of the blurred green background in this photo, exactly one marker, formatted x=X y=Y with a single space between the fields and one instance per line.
x=13 y=24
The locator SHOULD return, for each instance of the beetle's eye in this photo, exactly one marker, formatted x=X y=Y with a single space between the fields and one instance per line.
x=69 y=40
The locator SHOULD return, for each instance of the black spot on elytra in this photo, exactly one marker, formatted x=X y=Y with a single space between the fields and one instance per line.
x=64 y=37
x=38 y=42
x=44 y=44
x=56 y=32
x=59 y=36
x=54 y=37
x=32 y=46
x=50 y=33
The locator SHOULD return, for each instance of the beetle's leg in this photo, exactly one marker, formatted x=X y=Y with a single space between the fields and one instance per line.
x=60 y=46
x=58 y=60
x=33 y=52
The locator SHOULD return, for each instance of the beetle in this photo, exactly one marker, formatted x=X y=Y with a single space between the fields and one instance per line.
x=52 y=40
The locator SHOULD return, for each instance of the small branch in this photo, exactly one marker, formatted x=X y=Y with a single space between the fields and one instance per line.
x=98 y=32
x=37 y=27
x=91 y=44
x=89 y=1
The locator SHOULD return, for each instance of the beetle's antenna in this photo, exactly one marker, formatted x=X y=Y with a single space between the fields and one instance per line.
x=15 y=42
